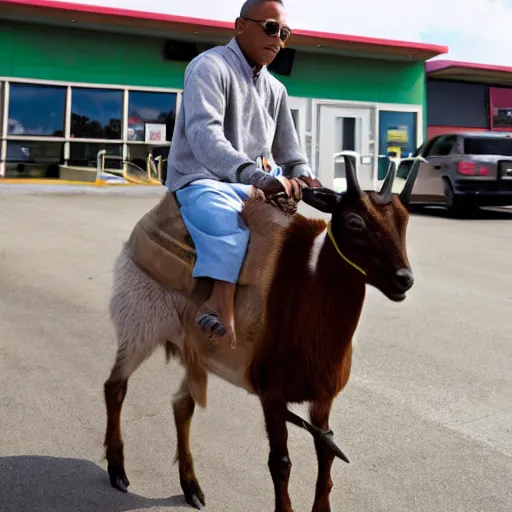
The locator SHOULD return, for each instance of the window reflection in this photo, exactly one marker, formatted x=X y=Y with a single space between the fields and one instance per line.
x=397 y=135
x=138 y=158
x=33 y=159
x=36 y=110
x=96 y=113
x=150 y=107
x=84 y=154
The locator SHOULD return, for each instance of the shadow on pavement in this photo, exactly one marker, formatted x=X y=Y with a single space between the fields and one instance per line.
x=52 y=484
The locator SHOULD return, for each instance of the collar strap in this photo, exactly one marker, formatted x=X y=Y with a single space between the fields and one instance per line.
x=350 y=262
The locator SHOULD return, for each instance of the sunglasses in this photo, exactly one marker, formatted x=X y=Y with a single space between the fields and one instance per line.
x=272 y=27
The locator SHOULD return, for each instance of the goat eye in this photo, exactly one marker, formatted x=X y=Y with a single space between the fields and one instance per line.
x=355 y=222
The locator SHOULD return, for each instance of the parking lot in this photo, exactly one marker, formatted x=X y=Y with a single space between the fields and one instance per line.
x=426 y=419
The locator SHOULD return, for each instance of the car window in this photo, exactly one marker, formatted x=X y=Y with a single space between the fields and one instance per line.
x=420 y=150
x=487 y=146
x=426 y=147
x=443 y=145
x=404 y=169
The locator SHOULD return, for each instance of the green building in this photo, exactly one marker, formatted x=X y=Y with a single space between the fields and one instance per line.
x=76 y=79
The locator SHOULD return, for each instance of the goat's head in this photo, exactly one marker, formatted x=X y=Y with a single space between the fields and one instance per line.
x=368 y=229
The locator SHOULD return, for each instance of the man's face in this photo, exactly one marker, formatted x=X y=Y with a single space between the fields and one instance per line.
x=260 y=47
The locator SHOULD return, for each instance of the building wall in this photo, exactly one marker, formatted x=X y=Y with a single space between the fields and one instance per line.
x=44 y=52
x=393 y=91
x=454 y=106
x=457 y=104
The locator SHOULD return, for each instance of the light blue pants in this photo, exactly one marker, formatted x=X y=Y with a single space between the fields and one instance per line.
x=211 y=212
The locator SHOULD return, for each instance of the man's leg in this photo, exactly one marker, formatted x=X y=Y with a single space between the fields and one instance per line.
x=212 y=216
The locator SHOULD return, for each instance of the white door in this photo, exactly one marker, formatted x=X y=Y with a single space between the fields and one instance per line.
x=298 y=108
x=345 y=128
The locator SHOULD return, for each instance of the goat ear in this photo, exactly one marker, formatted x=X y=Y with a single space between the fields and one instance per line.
x=321 y=198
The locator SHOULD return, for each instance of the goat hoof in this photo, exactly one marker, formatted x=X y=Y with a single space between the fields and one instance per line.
x=118 y=478
x=193 y=494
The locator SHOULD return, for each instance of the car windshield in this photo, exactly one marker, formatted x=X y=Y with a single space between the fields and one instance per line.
x=487 y=146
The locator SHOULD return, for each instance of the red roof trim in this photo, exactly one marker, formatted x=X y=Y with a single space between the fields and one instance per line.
x=390 y=43
x=439 y=65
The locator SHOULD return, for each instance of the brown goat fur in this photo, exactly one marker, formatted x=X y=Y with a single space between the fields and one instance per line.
x=301 y=354
x=297 y=306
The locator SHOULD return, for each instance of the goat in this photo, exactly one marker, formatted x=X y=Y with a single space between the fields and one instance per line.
x=298 y=303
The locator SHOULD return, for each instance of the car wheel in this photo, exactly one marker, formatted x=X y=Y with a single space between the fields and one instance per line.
x=456 y=205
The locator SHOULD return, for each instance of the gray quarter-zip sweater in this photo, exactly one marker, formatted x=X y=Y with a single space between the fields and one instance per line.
x=228 y=118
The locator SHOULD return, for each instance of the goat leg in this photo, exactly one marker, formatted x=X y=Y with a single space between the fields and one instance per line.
x=183 y=408
x=115 y=393
x=279 y=461
x=325 y=437
x=319 y=413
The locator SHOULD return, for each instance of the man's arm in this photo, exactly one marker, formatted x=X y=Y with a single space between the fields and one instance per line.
x=204 y=100
x=286 y=148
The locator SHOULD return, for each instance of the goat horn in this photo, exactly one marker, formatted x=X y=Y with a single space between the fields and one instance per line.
x=386 y=191
x=350 y=170
x=405 y=195
x=318 y=434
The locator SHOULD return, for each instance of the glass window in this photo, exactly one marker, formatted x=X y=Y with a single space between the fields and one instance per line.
x=346 y=131
x=96 y=113
x=443 y=145
x=488 y=146
x=84 y=154
x=295 y=118
x=36 y=110
x=151 y=107
x=404 y=168
x=138 y=159
x=34 y=159
x=397 y=135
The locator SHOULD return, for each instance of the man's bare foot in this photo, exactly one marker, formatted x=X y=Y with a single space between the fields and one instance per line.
x=211 y=324
x=209 y=321
x=216 y=316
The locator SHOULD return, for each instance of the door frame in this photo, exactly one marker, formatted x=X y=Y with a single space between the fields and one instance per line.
x=376 y=108
x=363 y=128
x=300 y=104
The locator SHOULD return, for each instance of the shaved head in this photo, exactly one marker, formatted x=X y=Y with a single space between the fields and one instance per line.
x=251 y=5
x=261 y=31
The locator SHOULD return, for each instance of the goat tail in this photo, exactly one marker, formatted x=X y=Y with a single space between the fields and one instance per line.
x=171 y=351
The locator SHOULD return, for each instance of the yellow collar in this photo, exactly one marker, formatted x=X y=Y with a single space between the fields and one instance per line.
x=340 y=253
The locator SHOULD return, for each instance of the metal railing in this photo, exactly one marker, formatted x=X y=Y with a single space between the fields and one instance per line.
x=152 y=175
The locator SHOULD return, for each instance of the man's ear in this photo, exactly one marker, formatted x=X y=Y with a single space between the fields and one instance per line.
x=321 y=198
x=239 y=26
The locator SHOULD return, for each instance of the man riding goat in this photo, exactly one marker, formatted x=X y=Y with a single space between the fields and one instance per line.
x=234 y=132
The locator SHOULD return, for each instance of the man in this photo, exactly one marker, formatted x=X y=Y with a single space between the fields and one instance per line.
x=234 y=119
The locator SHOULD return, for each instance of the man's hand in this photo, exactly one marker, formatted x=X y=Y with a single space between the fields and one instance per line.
x=270 y=185
x=309 y=182
x=293 y=187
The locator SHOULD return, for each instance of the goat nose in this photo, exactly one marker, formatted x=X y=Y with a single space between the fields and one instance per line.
x=404 y=279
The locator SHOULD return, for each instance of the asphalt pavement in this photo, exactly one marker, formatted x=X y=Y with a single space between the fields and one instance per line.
x=426 y=419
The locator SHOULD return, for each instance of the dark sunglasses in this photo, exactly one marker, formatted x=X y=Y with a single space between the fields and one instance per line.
x=272 y=27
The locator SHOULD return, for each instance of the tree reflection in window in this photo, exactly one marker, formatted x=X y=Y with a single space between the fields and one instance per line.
x=36 y=110
x=150 y=107
x=85 y=154
x=96 y=113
